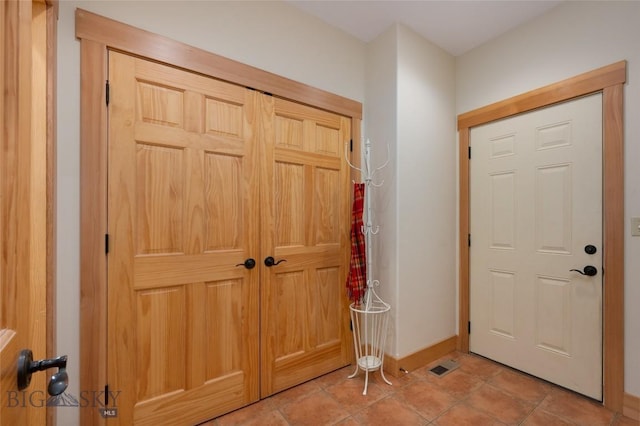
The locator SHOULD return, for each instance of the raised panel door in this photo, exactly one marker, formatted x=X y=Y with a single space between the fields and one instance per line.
x=536 y=203
x=304 y=317
x=204 y=175
x=182 y=316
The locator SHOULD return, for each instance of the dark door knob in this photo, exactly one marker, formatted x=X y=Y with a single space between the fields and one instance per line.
x=588 y=270
x=249 y=263
x=590 y=249
x=27 y=366
x=270 y=261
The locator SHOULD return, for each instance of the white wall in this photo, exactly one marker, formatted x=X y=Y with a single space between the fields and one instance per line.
x=426 y=193
x=572 y=38
x=269 y=35
x=380 y=127
x=410 y=106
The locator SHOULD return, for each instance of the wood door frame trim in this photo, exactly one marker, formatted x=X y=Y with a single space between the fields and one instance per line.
x=129 y=39
x=28 y=176
x=608 y=80
x=52 y=8
x=97 y=36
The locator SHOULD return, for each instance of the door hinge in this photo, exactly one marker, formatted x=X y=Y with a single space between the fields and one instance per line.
x=469 y=327
x=106 y=89
x=351 y=145
x=106 y=395
x=469 y=153
x=106 y=243
x=469 y=239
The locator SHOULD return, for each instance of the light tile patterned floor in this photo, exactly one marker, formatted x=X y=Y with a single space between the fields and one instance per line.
x=480 y=392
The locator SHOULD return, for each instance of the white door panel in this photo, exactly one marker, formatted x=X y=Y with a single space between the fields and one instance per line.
x=536 y=202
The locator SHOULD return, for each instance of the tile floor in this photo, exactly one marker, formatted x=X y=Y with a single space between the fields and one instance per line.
x=480 y=392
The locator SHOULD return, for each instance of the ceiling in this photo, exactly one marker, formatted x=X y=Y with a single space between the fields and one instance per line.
x=456 y=26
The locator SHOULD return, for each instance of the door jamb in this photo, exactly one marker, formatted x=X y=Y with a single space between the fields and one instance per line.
x=608 y=80
x=28 y=119
x=97 y=36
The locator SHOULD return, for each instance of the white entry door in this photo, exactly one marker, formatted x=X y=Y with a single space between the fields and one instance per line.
x=536 y=215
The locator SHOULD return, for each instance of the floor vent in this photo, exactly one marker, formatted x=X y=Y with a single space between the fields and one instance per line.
x=444 y=368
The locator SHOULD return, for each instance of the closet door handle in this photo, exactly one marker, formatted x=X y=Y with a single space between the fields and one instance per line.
x=249 y=263
x=270 y=261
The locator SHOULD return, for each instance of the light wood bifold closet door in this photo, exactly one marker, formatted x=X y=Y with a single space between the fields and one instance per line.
x=206 y=180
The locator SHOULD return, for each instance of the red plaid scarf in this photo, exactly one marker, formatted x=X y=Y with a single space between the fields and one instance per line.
x=357 y=279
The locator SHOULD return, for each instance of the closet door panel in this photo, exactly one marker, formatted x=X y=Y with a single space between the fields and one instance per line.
x=182 y=316
x=305 y=224
x=288 y=221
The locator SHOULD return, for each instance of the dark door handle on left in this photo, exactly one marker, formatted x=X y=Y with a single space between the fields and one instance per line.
x=249 y=263
x=27 y=366
x=588 y=270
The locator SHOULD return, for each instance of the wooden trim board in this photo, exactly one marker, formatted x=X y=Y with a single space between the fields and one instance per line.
x=609 y=80
x=93 y=222
x=583 y=84
x=631 y=406
x=123 y=37
x=398 y=367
